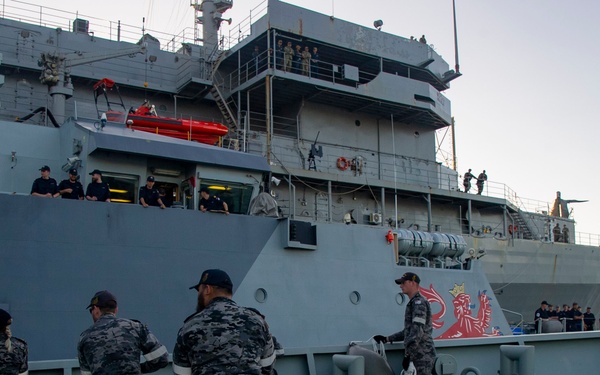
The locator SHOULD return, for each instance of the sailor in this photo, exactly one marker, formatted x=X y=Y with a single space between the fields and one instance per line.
x=589 y=319
x=222 y=337
x=113 y=345
x=552 y=314
x=297 y=62
x=576 y=317
x=481 y=179
x=305 y=60
x=422 y=39
x=314 y=63
x=45 y=186
x=279 y=54
x=419 y=350
x=467 y=180
x=97 y=190
x=541 y=315
x=71 y=188
x=565 y=234
x=556 y=232
x=13 y=351
x=288 y=57
x=214 y=203
x=149 y=195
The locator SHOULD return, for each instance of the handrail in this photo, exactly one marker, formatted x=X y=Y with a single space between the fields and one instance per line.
x=520 y=324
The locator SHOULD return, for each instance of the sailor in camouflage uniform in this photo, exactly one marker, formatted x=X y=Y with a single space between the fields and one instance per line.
x=222 y=338
x=13 y=351
x=418 y=342
x=113 y=345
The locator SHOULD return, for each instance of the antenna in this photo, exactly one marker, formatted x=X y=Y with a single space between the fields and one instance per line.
x=456 y=66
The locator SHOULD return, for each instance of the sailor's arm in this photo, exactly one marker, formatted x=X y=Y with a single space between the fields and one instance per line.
x=155 y=353
x=181 y=362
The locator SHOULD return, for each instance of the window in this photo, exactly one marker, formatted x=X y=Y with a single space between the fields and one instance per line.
x=123 y=188
x=236 y=195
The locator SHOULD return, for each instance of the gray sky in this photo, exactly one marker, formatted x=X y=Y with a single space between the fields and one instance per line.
x=525 y=105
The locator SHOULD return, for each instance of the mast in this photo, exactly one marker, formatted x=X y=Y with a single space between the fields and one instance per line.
x=456 y=64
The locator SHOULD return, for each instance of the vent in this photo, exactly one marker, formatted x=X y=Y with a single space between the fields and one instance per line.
x=81 y=26
x=375 y=218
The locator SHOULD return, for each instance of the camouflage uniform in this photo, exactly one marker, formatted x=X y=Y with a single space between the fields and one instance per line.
x=15 y=361
x=288 y=56
x=113 y=346
x=224 y=339
x=467 y=180
x=418 y=342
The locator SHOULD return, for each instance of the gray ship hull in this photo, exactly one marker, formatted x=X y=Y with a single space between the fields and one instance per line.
x=348 y=152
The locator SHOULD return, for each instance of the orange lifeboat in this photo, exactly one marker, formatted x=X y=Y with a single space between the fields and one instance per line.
x=145 y=118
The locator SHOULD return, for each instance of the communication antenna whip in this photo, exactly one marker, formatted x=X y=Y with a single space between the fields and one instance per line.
x=456 y=66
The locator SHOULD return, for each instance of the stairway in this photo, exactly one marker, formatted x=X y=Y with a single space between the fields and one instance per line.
x=523 y=229
x=224 y=106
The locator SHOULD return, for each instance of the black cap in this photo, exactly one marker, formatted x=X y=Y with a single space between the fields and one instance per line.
x=205 y=190
x=4 y=318
x=408 y=276
x=95 y=171
x=102 y=299
x=73 y=171
x=544 y=303
x=150 y=179
x=45 y=168
x=214 y=277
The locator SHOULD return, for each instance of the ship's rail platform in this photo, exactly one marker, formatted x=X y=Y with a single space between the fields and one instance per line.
x=553 y=353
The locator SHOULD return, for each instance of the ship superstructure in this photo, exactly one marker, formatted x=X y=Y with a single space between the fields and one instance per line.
x=345 y=142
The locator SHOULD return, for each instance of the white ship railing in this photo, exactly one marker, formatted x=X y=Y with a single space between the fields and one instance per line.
x=115 y=30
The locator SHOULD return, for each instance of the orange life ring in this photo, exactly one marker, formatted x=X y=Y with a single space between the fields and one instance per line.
x=342 y=163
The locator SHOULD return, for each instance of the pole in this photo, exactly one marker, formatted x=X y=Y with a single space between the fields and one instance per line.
x=457 y=66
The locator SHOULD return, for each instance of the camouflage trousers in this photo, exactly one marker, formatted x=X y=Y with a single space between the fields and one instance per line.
x=424 y=366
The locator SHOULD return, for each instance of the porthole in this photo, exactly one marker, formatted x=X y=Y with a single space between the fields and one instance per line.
x=400 y=298
x=355 y=297
x=260 y=295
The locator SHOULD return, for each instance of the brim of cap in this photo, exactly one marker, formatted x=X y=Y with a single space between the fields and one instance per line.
x=195 y=286
x=400 y=281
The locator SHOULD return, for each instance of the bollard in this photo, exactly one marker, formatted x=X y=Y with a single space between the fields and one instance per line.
x=348 y=364
x=517 y=360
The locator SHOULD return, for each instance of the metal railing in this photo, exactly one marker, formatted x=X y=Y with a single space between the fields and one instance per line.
x=115 y=30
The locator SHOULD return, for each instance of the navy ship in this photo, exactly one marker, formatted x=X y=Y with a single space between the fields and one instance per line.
x=342 y=139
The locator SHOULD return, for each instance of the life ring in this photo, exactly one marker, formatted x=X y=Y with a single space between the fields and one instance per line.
x=342 y=163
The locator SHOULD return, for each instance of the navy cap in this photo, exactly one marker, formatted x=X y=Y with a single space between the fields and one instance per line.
x=45 y=168
x=205 y=190
x=95 y=171
x=214 y=277
x=73 y=171
x=4 y=318
x=102 y=299
x=150 y=178
x=408 y=276
x=544 y=303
